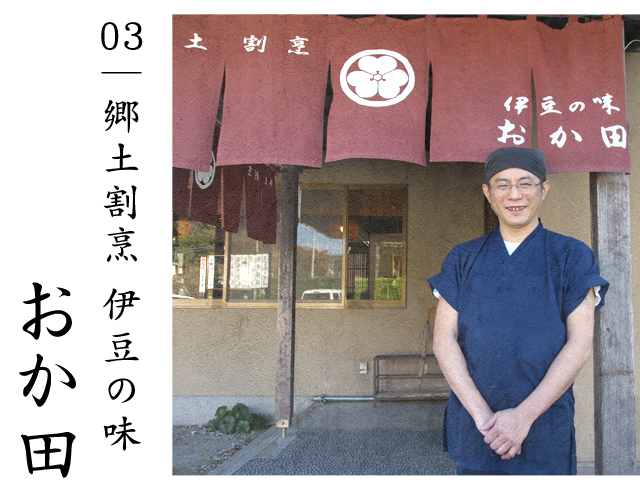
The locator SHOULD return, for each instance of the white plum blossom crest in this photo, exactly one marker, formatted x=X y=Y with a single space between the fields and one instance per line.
x=378 y=76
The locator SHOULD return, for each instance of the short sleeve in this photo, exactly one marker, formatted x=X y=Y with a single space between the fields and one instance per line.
x=446 y=282
x=581 y=274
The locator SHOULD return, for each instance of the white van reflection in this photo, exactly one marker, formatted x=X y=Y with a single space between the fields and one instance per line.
x=322 y=294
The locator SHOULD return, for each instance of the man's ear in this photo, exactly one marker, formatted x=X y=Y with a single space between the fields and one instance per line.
x=545 y=188
x=485 y=189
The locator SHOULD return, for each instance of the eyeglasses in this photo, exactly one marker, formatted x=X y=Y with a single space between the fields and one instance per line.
x=523 y=187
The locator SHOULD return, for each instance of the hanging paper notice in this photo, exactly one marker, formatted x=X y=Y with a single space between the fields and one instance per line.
x=203 y=273
x=248 y=272
x=212 y=261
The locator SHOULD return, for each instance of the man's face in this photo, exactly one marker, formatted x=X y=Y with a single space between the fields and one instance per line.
x=517 y=210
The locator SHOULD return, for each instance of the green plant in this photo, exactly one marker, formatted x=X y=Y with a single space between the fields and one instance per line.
x=238 y=419
x=258 y=422
x=243 y=426
x=227 y=425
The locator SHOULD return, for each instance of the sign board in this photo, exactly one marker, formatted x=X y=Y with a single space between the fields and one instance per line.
x=248 y=272
x=203 y=273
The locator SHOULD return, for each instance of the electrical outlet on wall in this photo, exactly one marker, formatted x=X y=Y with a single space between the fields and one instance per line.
x=363 y=367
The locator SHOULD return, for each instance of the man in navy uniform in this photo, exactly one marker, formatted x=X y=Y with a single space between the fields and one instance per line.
x=513 y=328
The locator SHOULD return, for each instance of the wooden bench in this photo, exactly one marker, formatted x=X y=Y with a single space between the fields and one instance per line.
x=431 y=383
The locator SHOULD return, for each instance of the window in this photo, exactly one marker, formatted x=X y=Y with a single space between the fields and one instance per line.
x=375 y=254
x=351 y=252
x=320 y=245
x=198 y=259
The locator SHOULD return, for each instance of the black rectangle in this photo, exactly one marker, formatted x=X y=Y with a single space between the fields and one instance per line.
x=47 y=370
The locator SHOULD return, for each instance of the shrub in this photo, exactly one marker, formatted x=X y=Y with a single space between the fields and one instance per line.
x=238 y=419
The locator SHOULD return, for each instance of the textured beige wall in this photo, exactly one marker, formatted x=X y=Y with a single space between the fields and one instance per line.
x=232 y=352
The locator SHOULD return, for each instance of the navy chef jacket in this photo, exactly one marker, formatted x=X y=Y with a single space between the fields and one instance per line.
x=512 y=314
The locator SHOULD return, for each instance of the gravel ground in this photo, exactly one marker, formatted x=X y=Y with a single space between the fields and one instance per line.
x=197 y=452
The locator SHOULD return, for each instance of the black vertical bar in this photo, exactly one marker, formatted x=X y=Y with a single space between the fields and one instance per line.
x=121 y=191
x=47 y=386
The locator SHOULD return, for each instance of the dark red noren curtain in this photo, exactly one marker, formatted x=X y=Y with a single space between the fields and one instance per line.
x=380 y=81
x=481 y=87
x=275 y=86
x=180 y=179
x=197 y=81
x=260 y=207
x=276 y=68
x=580 y=93
x=256 y=184
x=231 y=198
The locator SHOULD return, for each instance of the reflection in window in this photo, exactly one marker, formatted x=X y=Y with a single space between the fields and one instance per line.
x=319 y=254
x=375 y=250
x=198 y=259
x=375 y=257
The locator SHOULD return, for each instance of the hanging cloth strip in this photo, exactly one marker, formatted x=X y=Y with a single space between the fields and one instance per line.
x=204 y=193
x=197 y=80
x=260 y=207
x=180 y=179
x=380 y=81
x=275 y=87
x=256 y=183
x=481 y=87
x=580 y=92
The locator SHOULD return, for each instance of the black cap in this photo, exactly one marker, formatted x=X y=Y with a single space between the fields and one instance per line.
x=531 y=160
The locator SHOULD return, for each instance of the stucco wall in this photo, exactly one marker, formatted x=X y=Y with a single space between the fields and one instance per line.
x=231 y=353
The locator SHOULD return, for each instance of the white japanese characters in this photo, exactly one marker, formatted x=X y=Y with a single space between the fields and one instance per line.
x=251 y=43
x=548 y=105
x=612 y=136
x=518 y=107
x=606 y=103
x=259 y=45
x=298 y=46
x=508 y=127
x=559 y=137
x=576 y=105
x=194 y=42
x=617 y=137
x=521 y=104
x=255 y=174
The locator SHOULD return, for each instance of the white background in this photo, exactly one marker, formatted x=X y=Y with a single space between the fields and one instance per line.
x=50 y=53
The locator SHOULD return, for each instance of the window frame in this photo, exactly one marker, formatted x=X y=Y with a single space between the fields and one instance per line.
x=344 y=303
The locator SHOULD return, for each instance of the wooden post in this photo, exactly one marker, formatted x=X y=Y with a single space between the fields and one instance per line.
x=285 y=326
x=613 y=373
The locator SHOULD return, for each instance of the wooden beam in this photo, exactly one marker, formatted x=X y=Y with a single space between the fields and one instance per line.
x=613 y=369
x=286 y=314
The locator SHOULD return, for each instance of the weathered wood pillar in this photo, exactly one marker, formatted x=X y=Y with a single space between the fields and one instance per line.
x=613 y=372
x=286 y=317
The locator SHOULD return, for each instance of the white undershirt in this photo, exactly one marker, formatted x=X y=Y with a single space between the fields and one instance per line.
x=511 y=247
